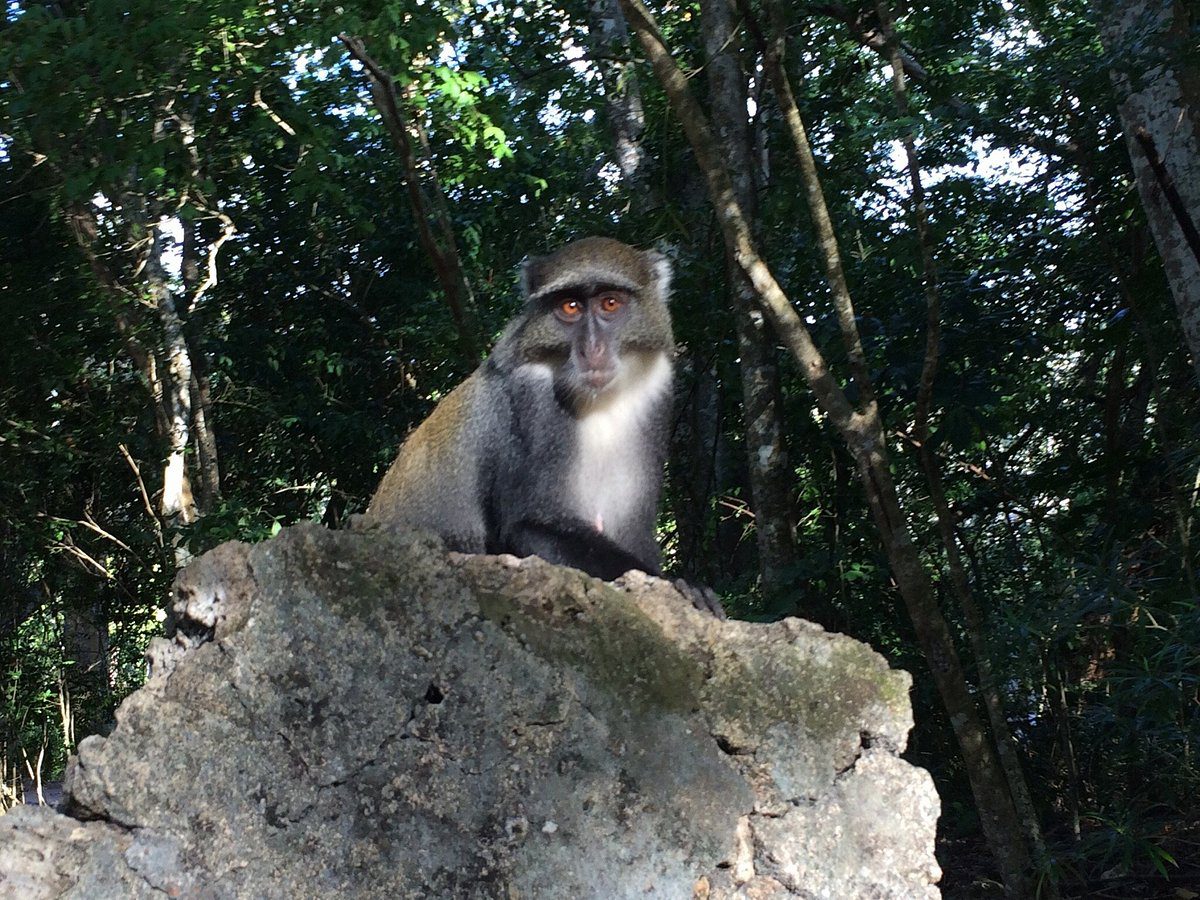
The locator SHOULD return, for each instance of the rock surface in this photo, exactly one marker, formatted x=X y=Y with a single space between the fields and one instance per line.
x=363 y=715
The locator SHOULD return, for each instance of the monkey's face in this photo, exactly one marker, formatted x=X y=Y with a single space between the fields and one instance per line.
x=603 y=338
x=596 y=317
x=592 y=321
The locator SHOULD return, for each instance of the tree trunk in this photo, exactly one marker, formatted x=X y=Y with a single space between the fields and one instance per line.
x=208 y=466
x=85 y=647
x=1062 y=717
x=770 y=474
x=609 y=37
x=976 y=625
x=195 y=282
x=696 y=438
x=177 y=504
x=1005 y=829
x=862 y=431
x=167 y=369
x=1157 y=79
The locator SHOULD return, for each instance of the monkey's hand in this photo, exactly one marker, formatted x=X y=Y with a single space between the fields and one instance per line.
x=567 y=542
x=702 y=597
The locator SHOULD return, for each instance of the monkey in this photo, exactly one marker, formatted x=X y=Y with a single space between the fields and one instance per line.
x=555 y=445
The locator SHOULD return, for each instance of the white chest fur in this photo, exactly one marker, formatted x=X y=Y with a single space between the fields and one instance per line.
x=610 y=474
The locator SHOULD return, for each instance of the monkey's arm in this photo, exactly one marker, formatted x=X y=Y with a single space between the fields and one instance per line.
x=570 y=543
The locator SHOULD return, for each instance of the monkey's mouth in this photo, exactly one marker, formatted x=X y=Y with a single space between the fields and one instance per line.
x=598 y=379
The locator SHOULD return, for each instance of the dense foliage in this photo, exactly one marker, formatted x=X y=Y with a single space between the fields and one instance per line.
x=137 y=136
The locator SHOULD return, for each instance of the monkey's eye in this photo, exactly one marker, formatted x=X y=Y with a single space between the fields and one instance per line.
x=610 y=303
x=570 y=309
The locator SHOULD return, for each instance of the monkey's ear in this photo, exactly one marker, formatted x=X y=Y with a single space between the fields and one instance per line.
x=530 y=274
x=661 y=270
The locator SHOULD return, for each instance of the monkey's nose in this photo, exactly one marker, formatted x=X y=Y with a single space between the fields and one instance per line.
x=595 y=355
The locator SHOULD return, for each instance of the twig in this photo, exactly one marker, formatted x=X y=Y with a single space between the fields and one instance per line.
x=145 y=494
x=274 y=116
x=84 y=559
x=228 y=229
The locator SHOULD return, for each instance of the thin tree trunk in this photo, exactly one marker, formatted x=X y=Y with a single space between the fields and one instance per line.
x=862 y=431
x=177 y=503
x=1114 y=395
x=1158 y=86
x=976 y=624
x=1062 y=715
x=208 y=465
x=609 y=37
x=696 y=435
x=429 y=215
x=85 y=645
x=770 y=474
x=837 y=519
x=447 y=241
x=831 y=258
x=196 y=281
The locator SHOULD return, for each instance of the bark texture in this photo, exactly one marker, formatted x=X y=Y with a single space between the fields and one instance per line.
x=1156 y=72
x=767 y=458
x=363 y=715
x=609 y=37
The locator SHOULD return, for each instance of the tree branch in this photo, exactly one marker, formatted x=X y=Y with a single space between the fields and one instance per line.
x=788 y=324
x=442 y=255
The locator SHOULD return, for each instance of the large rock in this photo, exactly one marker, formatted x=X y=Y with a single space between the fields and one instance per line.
x=363 y=715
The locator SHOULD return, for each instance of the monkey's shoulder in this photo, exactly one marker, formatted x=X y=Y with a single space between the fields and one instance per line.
x=444 y=425
x=436 y=442
x=435 y=469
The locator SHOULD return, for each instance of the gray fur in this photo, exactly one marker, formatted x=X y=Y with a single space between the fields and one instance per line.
x=497 y=467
